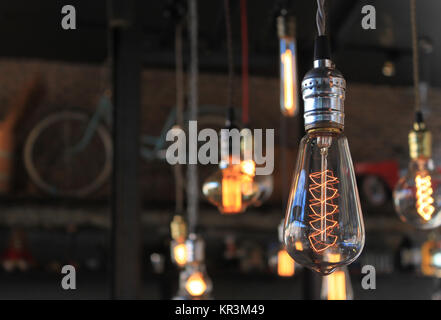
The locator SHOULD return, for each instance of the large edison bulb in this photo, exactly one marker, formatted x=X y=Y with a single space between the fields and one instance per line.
x=417 y=197
x=324 y=226
x=232 y=188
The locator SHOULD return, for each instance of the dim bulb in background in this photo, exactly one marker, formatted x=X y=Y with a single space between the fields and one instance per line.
x=417 y=196
x=233 y=188
x=288 y=65
x=194 y=282
x=337 y=286
x=324 y=227
x=178 y=245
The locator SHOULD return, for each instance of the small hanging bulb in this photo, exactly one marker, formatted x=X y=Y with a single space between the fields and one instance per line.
x=324 y=217
x=431 y=257
x=288 y=65
x=337 y=286
x=178 y=246
x=232 y=188
x=417 y=196
x=194 y=282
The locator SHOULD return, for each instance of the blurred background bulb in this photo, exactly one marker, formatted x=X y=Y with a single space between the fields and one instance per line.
x=417 y=195
x=178 y=246
x=337 y=286
x=285 y=264
x=232 y=189
x=288 y=66
x=324 y=227
x=194 y=282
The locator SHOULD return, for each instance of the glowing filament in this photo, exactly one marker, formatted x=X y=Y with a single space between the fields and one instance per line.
x=231 y=191
x=196 y=285
x=336 y=285
x=424 y=197
x=180 y=254
x=288 y=81
x=323 y=192
x=285 y=264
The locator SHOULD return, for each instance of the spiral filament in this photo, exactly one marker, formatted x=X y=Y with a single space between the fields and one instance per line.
x=424 y=197
x=323 y=192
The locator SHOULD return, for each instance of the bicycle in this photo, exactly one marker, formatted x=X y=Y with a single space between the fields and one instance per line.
x=66 y=169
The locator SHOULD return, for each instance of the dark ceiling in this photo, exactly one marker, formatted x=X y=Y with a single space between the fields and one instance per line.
x=32 y=29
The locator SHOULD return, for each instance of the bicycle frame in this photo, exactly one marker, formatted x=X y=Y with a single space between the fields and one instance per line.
x=150 y=145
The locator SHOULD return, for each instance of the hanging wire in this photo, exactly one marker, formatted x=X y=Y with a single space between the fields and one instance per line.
x=230 y=58
x=245 y=81
x=415 y=56
x=321 y=17
x=192 y=169
x=177 y=170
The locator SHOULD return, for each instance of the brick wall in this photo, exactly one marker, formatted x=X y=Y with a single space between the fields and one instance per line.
x=378 y=118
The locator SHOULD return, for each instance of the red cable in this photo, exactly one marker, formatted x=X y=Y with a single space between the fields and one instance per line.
x=244 y=31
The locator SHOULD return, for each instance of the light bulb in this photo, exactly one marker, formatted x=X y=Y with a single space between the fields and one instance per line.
x=180 y=254
x=285 y=264
x=417 y=195
x=431 y=258
x=324 y=219
x=194 y=282
x=337 y=286
x=288 y=66
x=231 y=189
x=178 y=245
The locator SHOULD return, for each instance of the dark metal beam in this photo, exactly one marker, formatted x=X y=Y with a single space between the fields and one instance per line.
x=126 y=240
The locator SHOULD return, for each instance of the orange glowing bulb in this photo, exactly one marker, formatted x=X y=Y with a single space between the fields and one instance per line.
x=231 y=191
x=337 y=285
x=288 y=85
x=196 y=284
x=285 y=264
x=180 y=254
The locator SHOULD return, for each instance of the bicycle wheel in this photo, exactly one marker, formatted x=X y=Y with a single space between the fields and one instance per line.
x=55 y=168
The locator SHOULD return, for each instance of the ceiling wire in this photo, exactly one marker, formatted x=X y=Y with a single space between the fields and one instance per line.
x=321 y=17
x=192 y=169
x=230 y=55
x=415 y=56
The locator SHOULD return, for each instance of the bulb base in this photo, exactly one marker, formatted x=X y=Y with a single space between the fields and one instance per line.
x=323 y=91
x=420 y=141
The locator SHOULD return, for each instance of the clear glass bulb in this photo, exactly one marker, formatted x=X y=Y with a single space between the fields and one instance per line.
x=232 y=188
x=417 y=196
x=324 y=218
x=194 y=282
x=288 y=77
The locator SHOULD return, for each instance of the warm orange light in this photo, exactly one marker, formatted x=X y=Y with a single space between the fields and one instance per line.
x=337 y=285
x=196 y=284
x=288 y=81
x=424 y=193
x=248 y=167
x=231 y=191
x=285 y=264
x=299 y=246
x=322 y=207
x=180 y=254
